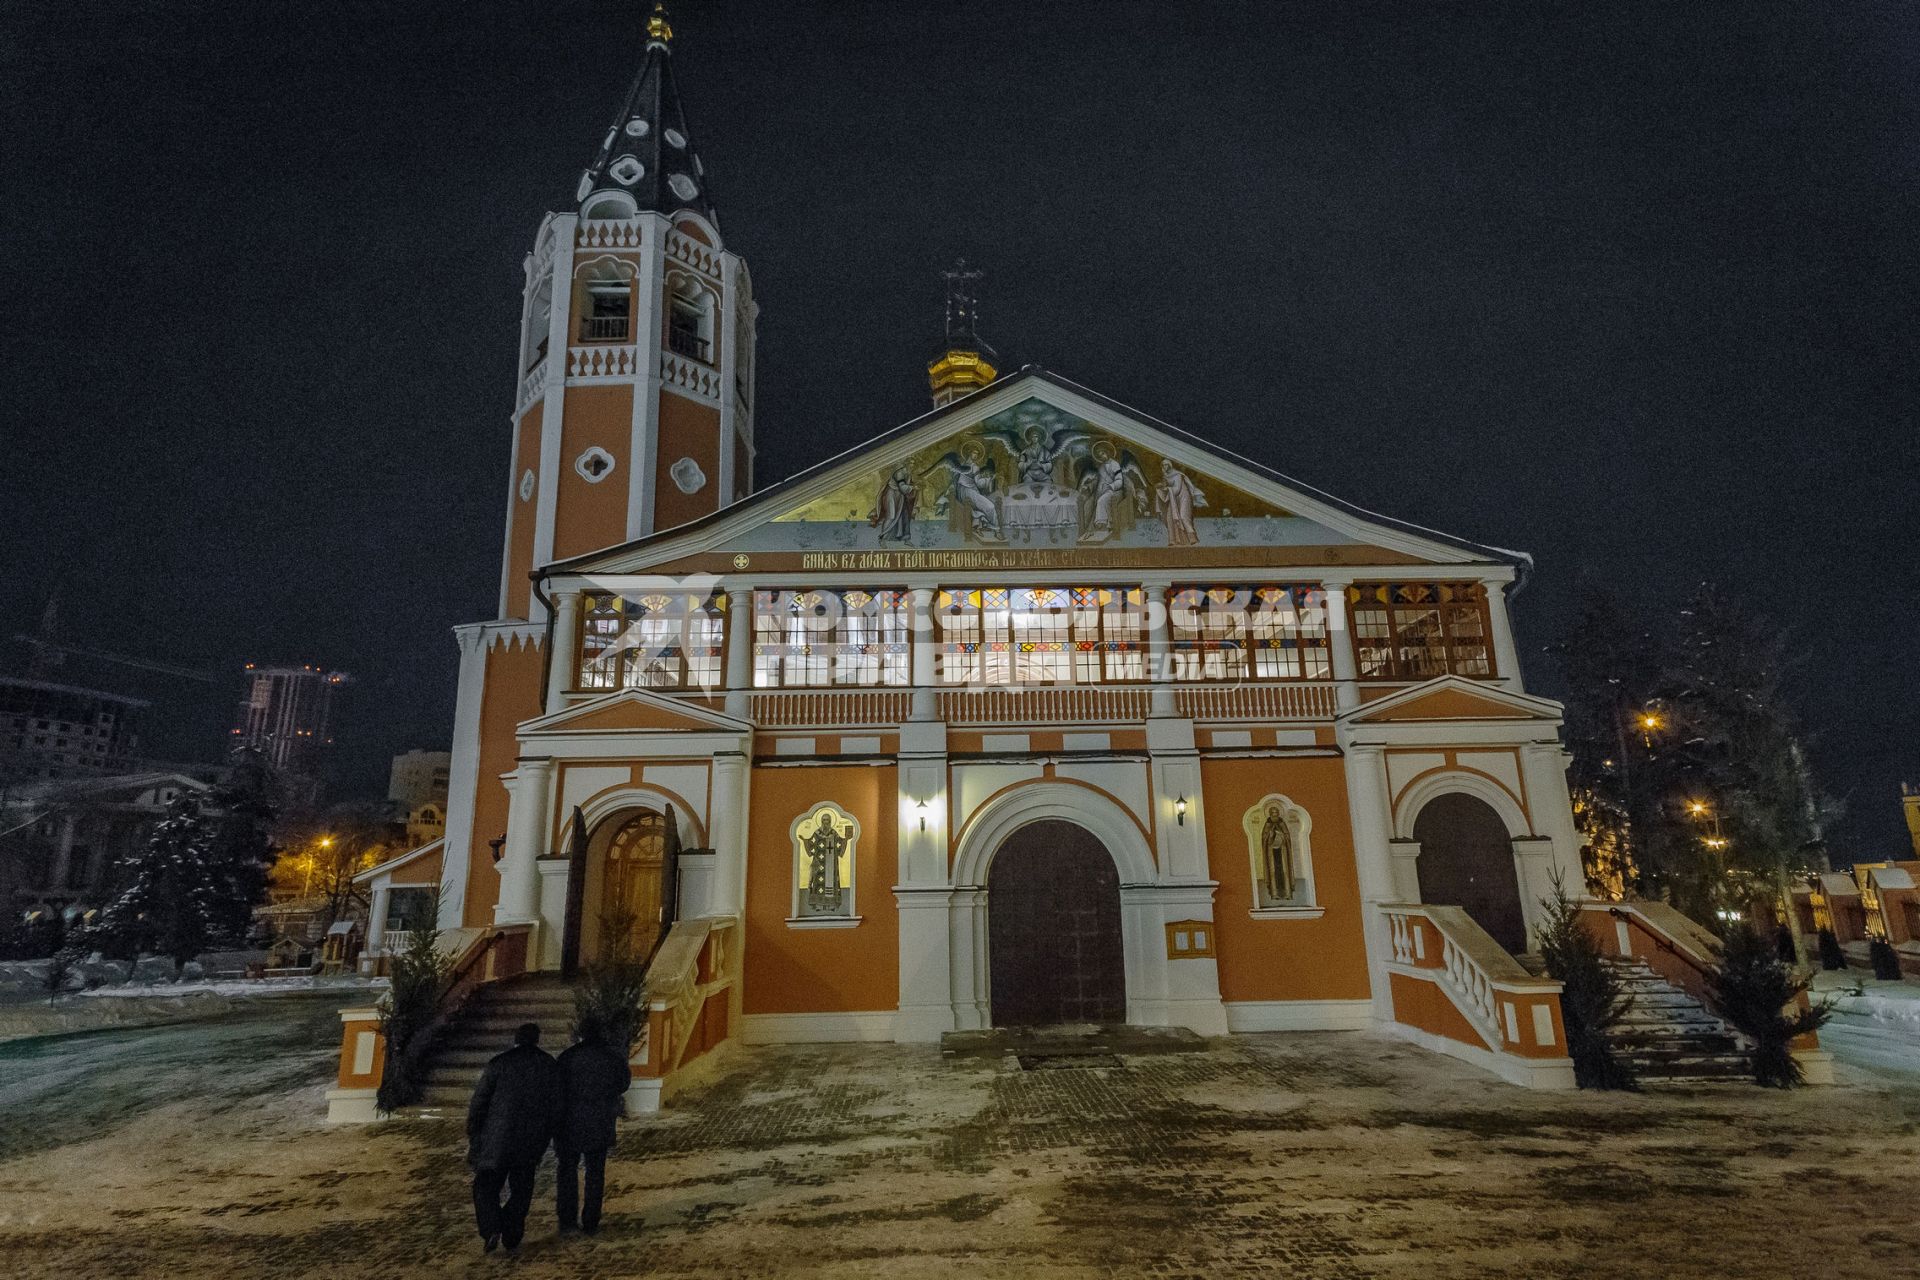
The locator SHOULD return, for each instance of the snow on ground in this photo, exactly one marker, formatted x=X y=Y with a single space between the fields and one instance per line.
x=199 y=1150
x=347 y=987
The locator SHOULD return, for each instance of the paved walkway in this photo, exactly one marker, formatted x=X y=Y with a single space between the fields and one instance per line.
x=197 y=1151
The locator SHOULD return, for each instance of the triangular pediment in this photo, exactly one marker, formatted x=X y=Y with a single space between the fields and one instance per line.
x=1032 y=472
x=634 y=711
x=1453 y=698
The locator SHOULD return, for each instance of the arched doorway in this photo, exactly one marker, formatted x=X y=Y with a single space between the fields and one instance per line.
x=1053 y=929
x=623 y=919
x=1466 y=860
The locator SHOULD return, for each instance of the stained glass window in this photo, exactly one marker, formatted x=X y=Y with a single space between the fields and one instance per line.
x=653 y=640
x=1041 y=635
x=1417 y=630
x=811 y=638
x=1272 y=632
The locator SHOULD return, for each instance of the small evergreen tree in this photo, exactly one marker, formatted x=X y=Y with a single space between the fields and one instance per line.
x=1886 y=961
x=419 y=982
x=1590 y=996
x=611 y=994
x=60 y=969
x=1753 y=990
x=1831 y=956
x=242 y=848
x=170 y=904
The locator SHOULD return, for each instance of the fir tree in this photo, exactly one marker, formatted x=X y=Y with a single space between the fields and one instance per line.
x=1591 y=1001
x=243 y=849
x=169 y=903
x=1753 y=990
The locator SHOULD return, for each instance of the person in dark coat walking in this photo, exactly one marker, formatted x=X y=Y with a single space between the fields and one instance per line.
x=596 y=1077
x=515 y=1110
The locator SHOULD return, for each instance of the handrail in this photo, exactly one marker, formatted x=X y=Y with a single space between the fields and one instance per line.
x=1665 y=943
x=1470 y=966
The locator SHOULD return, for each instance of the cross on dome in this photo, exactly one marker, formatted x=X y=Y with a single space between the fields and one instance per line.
x=646 y=161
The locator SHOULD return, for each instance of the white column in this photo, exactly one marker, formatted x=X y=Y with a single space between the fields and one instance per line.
x=377 y=920
x=1340 y=647
x=929 y=994
x=566 y=649
x=727 y=828
x=925 y=704
x=527 y=790
x=1506 y=654
x=739 y=652
x=1159 y=645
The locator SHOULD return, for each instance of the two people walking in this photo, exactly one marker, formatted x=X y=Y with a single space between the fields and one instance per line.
x=527 y=1100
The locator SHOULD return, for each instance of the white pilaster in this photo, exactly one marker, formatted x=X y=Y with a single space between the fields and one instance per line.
x=566 y=648
x=1179 y=839
x=463 y=774
x=727 y=829
x=1371 y=809
x=930 y=992
x=649 y=322
x=528 y=789
x=1543 y=769
x=560 y=324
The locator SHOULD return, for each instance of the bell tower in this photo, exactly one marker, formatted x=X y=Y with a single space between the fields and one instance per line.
x=634 y=409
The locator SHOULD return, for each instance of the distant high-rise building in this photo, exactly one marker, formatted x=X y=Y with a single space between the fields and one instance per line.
x=52 y=730
x=419 y=777
x=287 y=715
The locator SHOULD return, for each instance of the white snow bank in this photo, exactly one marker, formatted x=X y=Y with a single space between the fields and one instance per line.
x=345 y=985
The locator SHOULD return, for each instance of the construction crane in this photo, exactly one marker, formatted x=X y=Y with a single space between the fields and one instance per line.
x=49 y=652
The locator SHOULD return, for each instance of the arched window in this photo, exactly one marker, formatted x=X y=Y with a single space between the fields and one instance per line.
x=603 y=299
x=1280 y=858
x=824 y=839
x=692 y=312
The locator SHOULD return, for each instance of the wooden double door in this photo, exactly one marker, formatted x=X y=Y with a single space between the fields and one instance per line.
x=1054 y=941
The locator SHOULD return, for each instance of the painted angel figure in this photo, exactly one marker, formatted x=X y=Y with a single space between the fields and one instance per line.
x=892 y=515
x=1177 y=497
x=1110 y=492
x=1037 y=451
x=971 y=487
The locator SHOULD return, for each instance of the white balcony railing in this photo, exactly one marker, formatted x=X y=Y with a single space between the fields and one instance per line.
x=1264 y=703
x=1042 y=704
x=826 y=708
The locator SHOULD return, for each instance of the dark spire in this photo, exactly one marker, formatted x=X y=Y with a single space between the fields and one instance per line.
x=647 y=153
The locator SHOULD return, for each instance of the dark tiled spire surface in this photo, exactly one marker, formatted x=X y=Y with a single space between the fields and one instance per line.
x=647 y=152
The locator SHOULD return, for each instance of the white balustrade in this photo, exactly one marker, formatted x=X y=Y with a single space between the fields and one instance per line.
x=691 y=376
x=602 y=361
x=1264 y=703
x=822 y=708
x=608 y=233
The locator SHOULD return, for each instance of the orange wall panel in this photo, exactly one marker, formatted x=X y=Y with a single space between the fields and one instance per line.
x=590 y=515
x=1323 y=959
x=511 y=694
x=688 y=429
x=522 y=515
x=1425 y=1007
x=822 y=970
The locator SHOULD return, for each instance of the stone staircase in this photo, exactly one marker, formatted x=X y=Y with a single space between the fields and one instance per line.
x=485 y=1027
x=1668 y=1035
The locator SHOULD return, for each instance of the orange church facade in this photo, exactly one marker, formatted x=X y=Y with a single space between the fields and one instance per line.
x=1032 y=709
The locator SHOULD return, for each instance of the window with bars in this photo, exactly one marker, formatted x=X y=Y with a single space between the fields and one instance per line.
x=1272 y=632
x=655 y=640
x=815 y=638
x=1041 y=635
x=1416 y=630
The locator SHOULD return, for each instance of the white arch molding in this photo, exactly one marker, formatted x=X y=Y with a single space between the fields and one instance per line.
x=1532 y=854
x=607 y=804
x=944 y=971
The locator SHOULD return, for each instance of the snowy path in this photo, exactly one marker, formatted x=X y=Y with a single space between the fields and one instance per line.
x=69 y=1088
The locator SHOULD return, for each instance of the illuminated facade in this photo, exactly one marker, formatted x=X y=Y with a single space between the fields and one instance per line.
x=1030 y=709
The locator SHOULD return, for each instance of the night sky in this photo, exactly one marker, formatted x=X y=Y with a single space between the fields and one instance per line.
x=1630 y=286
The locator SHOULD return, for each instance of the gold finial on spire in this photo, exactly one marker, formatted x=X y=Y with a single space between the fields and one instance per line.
x=658 y=28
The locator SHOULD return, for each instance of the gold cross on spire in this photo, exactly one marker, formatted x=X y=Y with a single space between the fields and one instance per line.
x=658 y=28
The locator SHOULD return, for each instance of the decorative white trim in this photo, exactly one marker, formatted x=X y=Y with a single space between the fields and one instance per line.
x=1438 y=782
x=1287 y=913
x=352 y=1106
x=1298 y=1015
x=823 y=922
x=816 y=1028
x=582 y=464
